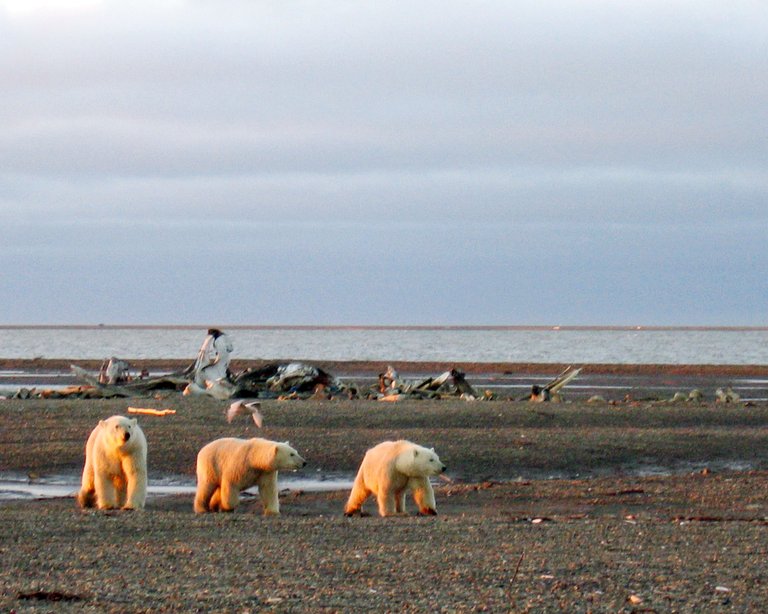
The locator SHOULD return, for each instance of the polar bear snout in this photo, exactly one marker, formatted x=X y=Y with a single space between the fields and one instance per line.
x=126 y=436
x=295 y=460
x=438 y=466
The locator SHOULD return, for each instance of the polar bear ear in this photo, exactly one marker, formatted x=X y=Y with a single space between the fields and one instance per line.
x=431 y=449
x=101 y=422
x=134 y=422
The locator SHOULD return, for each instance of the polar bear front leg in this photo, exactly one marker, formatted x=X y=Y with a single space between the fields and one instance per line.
x=87 y=495
x=267 y=483
x=136 y=485
x=121 y=486
x=423 y=495
x=106 y=496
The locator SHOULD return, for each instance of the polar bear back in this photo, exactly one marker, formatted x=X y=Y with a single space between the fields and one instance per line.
x=229 y=465
x=388 y=470
x=240 y=461
x=233 y=454
x=399 y=461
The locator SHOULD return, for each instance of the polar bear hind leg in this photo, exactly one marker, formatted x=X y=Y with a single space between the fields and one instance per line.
x=214 y=503
x=400 y=501
x=229 y=497
x=204 y=497
x=357 y=497
x=388 y=502
x=87 y=495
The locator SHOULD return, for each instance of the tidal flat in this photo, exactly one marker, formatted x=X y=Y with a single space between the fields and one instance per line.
x=636 y=506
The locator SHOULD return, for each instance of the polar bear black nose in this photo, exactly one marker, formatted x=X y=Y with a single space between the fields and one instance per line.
x=444 y=468
x=126 y=436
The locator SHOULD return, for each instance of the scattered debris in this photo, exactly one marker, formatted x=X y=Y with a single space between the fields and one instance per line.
x=694 y=396
x=517 y=567
x=150 y=411
x=130 y=388
x=210 y=372
x=50 y=596
x=298 y=376
x=452 y=383
x=114 y=371
x=551 y=391
x=726 y=396
x=275 y=380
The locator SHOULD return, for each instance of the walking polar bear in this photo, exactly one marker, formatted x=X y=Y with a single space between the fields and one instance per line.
x=391 y=468
x=115 y=472
x=227 y=466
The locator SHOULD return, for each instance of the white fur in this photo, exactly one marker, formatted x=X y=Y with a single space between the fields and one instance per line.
x=115 y=472
x=389 y=470
x=227 y=466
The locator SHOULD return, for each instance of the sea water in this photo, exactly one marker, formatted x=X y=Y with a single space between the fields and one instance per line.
x=744 y=346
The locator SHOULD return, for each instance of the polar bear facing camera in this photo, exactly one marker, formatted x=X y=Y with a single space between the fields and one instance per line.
x=227 y=466
x=115 y=472
x=390 y=469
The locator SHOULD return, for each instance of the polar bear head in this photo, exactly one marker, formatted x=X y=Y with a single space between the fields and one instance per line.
x=286 y=458
x=119 y=432
x=417 y=461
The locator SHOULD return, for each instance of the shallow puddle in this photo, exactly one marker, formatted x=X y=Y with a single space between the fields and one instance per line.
x=16 y=487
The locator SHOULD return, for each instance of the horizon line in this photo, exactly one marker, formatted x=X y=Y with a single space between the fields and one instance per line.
x=551 y=327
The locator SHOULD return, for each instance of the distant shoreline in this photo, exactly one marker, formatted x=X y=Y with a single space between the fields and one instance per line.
x=428 y=367
x=426 y=327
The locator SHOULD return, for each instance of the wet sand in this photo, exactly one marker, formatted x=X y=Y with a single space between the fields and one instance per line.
x=653 y=507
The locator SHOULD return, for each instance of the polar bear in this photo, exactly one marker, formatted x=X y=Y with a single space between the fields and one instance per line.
x=229 y=465
x=390 y=468
x=115 y=472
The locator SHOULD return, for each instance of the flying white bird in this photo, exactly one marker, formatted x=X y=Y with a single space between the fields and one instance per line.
x=241 y=408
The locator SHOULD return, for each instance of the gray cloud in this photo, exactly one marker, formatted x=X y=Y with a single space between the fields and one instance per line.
x=360 y=142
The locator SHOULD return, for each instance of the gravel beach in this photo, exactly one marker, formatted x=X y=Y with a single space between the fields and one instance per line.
x=626 y=507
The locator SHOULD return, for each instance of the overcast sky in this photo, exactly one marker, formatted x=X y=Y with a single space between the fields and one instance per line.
x=384 y=162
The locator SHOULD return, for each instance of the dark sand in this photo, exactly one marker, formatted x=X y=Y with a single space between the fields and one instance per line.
x=598 y=538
